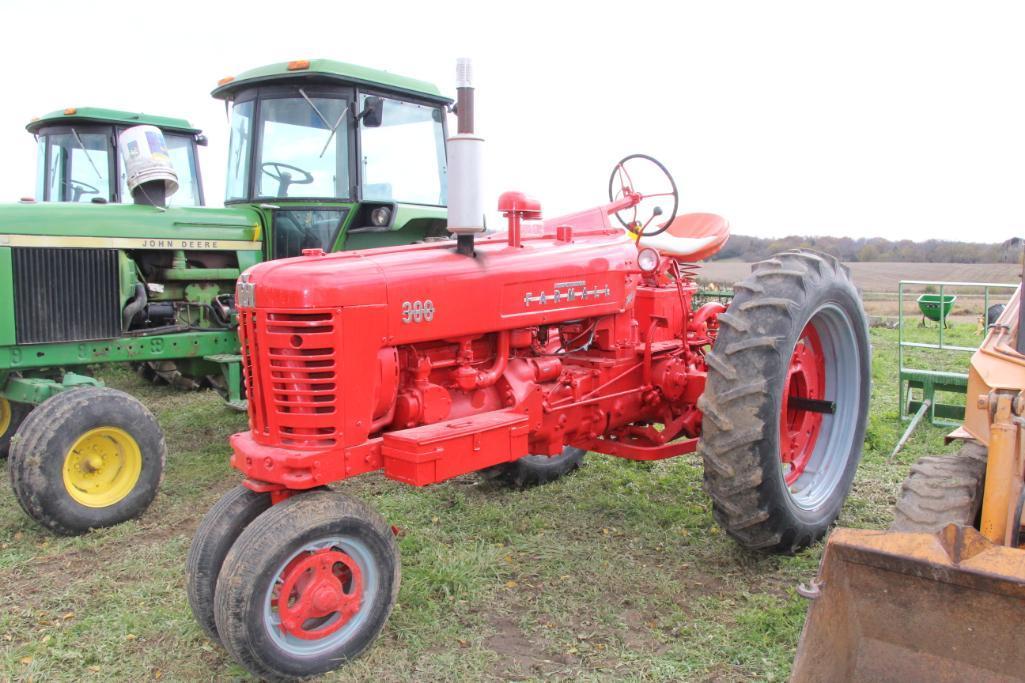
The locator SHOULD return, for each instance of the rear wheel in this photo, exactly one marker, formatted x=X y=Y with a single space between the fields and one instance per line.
x=786 y=402
x=12 y=414
x=307 y=586
x=942 y=490
x=87 y=458
x=533 y=470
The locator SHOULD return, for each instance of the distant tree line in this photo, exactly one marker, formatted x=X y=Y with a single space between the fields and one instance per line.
x=748 y=248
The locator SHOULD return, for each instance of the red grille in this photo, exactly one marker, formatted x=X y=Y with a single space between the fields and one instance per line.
x=291 y=375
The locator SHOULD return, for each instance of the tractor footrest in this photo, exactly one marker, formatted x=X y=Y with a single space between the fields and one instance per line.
x=436 y=452
x=224 y=358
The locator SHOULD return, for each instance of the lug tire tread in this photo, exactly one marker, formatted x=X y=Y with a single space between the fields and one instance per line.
x=747 y=356
x=942 y=490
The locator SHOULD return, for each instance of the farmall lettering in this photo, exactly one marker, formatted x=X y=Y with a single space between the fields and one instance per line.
x=567 y=292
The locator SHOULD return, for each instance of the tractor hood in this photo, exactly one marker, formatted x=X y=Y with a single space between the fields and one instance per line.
x=128 y=226
x=501 y=287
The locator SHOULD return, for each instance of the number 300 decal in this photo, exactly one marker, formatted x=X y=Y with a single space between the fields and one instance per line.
x=417 y=311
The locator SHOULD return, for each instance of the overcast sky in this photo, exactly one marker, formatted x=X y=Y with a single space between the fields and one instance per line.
x=895 y=119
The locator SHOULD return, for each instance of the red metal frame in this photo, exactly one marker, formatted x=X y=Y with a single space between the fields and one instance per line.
x=427 y=363
x=799 y=429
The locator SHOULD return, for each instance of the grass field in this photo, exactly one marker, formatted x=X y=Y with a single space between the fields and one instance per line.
x=616 y=572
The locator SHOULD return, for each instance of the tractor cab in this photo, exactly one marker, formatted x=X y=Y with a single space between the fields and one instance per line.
x=336 y=156
x=78 y=158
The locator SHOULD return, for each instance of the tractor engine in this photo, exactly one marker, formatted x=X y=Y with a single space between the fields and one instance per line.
x=428 y=363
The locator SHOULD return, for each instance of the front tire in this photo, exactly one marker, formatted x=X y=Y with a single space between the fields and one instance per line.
x=221 y=526
x=792 y=346
x=942 y=490
x=87 y=458
x=308 y=586
x=12 y=414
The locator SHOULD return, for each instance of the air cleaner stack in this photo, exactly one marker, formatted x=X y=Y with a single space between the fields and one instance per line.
x=465 y=161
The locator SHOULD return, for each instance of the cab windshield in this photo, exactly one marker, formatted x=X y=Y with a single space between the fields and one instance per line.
x=403 y=158
x=75 y=165
x=302 y=148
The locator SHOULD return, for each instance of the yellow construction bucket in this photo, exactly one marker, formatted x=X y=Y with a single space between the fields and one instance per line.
x=890 y=606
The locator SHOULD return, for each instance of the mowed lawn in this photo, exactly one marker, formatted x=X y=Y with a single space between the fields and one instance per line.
x=616 y=572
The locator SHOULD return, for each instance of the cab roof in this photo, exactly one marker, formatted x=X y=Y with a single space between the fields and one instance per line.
x=326 y=70
x=100 y=115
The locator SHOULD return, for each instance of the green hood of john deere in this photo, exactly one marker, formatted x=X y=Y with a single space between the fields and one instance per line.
x=60 y=219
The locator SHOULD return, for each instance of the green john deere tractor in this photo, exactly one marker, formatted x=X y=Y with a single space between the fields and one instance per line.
x=78 y=159
x=322 y=155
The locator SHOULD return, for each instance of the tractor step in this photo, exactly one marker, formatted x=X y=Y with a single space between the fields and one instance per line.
x=436 y=452
x=223 y=358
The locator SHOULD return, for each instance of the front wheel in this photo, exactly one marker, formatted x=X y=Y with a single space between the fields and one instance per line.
x=221 y=526
x=12 y=414
x=786 y=403
x=308 y=586
x=87 y=458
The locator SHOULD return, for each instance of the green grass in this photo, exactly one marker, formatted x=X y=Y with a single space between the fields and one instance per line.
x=617 y=572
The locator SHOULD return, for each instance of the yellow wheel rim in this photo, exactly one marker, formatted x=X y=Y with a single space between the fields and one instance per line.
x=102 y=467
x=5 y=416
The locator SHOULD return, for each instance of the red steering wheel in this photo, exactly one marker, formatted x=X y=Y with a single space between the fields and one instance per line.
x=664 y=200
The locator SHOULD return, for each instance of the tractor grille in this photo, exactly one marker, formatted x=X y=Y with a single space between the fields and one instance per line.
x=291 y=376
x=65 y=294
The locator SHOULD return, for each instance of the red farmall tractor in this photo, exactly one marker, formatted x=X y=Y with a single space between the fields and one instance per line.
x=515 y=355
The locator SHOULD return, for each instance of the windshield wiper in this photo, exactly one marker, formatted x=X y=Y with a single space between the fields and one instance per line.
x=87 y=156
x=326 y=123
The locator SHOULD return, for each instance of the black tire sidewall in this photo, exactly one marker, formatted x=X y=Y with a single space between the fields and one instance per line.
x=839 y=293
x=216 y=533
x=19 y=411
x=47 y=435
x=247 y=576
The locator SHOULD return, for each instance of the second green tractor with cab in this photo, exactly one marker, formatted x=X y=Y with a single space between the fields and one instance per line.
x=322 y=155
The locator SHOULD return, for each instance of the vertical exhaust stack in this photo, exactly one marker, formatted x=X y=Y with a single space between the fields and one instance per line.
x=465 y=155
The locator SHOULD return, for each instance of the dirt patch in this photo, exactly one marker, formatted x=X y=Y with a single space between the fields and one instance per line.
x=519 y=658
x=34 y=579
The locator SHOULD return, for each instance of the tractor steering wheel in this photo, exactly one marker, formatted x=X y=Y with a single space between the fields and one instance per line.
x=78 y=188
x=641 y=169
x=283 y=177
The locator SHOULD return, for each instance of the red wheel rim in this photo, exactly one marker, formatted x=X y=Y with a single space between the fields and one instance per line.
x=799 y=429
x=319 y=593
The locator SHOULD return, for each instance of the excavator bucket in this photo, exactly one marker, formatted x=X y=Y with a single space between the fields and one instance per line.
x=890 y=606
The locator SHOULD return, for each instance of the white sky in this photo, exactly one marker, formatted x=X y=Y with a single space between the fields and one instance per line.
x=895 y=119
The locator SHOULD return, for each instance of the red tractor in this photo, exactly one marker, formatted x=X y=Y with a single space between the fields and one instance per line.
x=515 y=355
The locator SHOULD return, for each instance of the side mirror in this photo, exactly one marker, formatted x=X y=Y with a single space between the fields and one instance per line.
x=373 y=111
x=201 y=140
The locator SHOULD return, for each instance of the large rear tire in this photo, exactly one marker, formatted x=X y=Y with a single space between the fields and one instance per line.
x=942 y=490
x=87 y=458
x=792 y=346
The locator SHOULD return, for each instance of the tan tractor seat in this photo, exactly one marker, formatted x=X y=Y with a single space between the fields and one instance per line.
x=691 y=237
